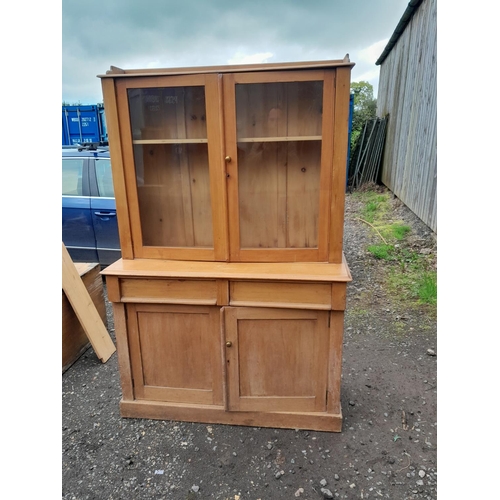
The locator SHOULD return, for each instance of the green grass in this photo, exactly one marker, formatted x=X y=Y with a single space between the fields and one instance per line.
x=414 y=283
x=427 y=288
x=411 y=276
x=399 y=231
x=375 y=205
x=383 y=252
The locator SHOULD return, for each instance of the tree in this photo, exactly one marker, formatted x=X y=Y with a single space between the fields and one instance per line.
x=365 y=107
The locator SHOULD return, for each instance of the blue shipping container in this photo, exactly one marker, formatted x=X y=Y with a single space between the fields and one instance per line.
x=81 y=124
x=102 y=121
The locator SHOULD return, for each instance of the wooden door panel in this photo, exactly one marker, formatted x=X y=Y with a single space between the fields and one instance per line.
x=173 y=166
x=280 y=169
x=277 y=360
x=175 y=353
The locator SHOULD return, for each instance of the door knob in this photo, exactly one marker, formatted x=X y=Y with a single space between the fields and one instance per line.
x=229 y=343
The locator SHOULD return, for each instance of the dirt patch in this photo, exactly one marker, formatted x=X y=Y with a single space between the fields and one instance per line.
x=387 y=447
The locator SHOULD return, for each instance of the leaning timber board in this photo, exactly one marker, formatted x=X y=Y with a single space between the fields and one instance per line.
x=74 y=339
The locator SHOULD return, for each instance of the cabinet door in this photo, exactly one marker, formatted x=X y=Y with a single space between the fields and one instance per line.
x=279 y=145
x=174 y=171
x=176 y=353
x=276 y=359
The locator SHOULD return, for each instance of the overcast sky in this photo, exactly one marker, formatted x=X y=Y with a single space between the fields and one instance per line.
x=133 y=34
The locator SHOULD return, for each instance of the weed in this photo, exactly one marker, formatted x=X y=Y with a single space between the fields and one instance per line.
x=427 y=288
x=399 y=231
x=376 y=205
x=383 y=252
x=370 y=210
x=411 y=279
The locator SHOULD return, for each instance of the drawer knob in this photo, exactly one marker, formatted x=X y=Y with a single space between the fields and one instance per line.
x=228 y=159
x=229 y=343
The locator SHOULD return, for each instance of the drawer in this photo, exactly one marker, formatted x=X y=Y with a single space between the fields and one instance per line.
x=281 y=294
x=168 y=291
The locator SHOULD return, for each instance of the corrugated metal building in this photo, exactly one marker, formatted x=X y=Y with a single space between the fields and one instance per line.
x=407 y=93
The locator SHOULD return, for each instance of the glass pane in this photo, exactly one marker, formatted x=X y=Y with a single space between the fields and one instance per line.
x=279 y=163
x=168 y=113
x=72 y=171
x=173 y=187
x=104 y=178
x=171 y=161
x=273 y=110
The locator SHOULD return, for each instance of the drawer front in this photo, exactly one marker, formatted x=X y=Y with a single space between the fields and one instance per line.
x=279 y=294
x=169 y=291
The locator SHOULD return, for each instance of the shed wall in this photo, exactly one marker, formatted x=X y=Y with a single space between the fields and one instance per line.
x=407 y=93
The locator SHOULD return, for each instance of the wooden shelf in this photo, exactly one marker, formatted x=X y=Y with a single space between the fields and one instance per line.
x=281 y=139
x=170 y=141
x=290 y=271
x=242 y=139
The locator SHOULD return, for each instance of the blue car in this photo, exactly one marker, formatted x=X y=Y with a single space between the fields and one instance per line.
x=89 y=225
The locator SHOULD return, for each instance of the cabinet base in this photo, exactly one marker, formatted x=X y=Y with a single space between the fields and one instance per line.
x=329 y=422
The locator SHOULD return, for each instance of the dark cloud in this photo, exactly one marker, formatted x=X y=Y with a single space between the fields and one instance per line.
x=166 y=33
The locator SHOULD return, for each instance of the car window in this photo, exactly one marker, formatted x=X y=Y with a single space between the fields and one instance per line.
x=104 y=177
x=72 y=171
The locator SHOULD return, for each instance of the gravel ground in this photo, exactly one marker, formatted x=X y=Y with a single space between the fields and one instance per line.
x=387 y=447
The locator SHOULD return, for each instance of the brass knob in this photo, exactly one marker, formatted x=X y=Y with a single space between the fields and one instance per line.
x=229 y=343
x=228 y=159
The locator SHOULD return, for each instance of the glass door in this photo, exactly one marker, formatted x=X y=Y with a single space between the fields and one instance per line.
x=175 y=167
x=279 y=172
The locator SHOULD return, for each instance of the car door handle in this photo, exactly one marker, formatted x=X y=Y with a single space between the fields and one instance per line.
x=105 y=214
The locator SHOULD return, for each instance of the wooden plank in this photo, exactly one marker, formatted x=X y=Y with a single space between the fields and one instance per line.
x=327 y=152
x=74 y=339
x=232 y=166
x=127 y=172
x=117 y=72
x=186 y=206
x=200 y=197
x=304 y=218
x=275 y=271
x=335 y=361
x=123 y=352
x=340 y=140
x=85 y=309
x=223 y=365
x=217 y=166
x=293 y=271
x=316 y=421
x=257 y=195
